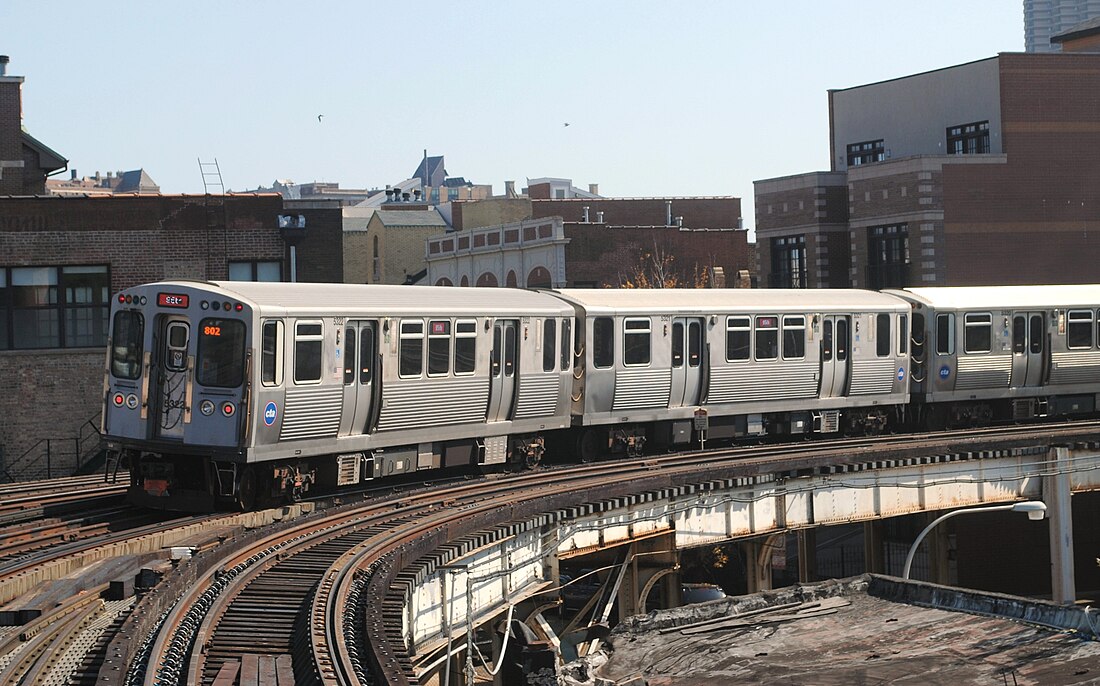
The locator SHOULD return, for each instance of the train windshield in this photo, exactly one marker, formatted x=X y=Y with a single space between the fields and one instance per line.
x=221 y=353
x=127 y=335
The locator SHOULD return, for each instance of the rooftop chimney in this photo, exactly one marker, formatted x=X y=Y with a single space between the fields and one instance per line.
x=599 y=217
x=594 y=188
x=668 y=213
x=4 y=59
x=509 y=188
x=585 y=215
x=73 y=172
x=404 y=197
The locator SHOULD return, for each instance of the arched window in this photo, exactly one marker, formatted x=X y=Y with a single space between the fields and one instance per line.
x=465 y=281
x=443 y=281
x=539 y=278
x=487 y=280
x=511 y=282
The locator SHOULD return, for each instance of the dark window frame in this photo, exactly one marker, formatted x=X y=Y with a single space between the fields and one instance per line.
x=71 y=324
x=866 y=152
x=968 y=139
x=788 y=257
x=888 y=256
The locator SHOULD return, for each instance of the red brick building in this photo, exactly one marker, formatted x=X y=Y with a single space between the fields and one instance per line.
x=600 y=243
x=983 y=173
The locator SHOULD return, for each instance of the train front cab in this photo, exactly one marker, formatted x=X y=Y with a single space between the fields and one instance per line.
x=176 y=393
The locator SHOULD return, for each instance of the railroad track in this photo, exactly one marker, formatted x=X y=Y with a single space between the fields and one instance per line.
x=289 y=596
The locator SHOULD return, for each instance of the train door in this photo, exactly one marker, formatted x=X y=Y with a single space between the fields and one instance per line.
x=360 y=359
x=502 y=370
x=172 y=387
x=687 y=361
x=835 y=349
x=1028 y=343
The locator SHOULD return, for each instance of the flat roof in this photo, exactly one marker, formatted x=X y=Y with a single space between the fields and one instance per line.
x=707 y=300
x=867 y=629
x=1006 y=297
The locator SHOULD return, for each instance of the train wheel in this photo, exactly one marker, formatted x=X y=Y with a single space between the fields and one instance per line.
x=246 y=489
x=588 y=445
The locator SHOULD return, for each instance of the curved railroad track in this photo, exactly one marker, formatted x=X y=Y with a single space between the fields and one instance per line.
x=293 y=597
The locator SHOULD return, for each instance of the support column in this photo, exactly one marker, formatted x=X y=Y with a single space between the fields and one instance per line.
x=807 y=555
x=874 y=553
x=939 y=545
x=758 y=565
x=1056 y=495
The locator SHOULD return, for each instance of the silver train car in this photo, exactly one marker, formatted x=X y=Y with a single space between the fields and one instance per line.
x=665 y=365
x=982 y=354
x=227 y=393
x=222 y=393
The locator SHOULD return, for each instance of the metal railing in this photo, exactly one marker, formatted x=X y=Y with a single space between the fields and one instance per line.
x=51 y=457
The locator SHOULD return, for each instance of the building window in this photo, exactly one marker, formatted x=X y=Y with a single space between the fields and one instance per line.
x=54 y=307
x=968 y=139
x=866 y=152
x=888 y=256
x=376 y=262
x=255 y=271
x=788 y=262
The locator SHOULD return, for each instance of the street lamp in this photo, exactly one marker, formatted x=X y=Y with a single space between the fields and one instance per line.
x=1035 y=510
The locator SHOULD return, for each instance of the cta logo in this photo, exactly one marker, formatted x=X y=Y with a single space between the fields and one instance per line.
x=271 y=413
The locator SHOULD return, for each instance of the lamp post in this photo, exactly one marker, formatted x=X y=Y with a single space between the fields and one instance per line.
x=1035 y=510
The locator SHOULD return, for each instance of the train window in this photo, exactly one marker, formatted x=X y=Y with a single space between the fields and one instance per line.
x=127 y=335
x=412 y=348
x=738 y=335
x=307 y=352
x=1079 y=329
x=678 y=345
x=1019 y=334
x=549 y=338
x=439 y=347
x=566 y=343
x=977 y=332
x=603 y=342
x=271 y=365
x=827 y=341
x=349 y=356
x=366 y=353
x=1035 y=330
x=636 y=342
x=509 y=351
x=882 y=335
x=903 y=334
x=767 y=338
x=695 y=343
x=945 y=334
x=465 y=346
x=794 y=338
x=494 y=355
x=221 y=353
x=841 y=339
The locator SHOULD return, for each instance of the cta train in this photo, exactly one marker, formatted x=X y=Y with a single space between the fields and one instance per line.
x=231 y=393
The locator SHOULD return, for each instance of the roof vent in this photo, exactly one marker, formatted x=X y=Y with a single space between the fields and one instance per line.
x=4 y=59
x=584 y=217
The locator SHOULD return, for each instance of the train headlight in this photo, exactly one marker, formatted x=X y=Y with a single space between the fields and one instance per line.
x=228 y=409
x=207 y=407
x=119 y=399
x=131 y=401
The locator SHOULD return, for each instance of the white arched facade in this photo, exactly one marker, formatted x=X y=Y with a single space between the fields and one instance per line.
x=521 y=251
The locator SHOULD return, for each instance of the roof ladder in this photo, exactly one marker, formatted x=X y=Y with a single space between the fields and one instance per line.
x=214 y=201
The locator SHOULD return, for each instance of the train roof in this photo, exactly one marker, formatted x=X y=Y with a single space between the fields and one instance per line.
x=1004 y=297
x=330 y=297
x=710 y=300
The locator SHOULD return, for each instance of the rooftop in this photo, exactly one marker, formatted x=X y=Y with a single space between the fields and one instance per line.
x=867 y=629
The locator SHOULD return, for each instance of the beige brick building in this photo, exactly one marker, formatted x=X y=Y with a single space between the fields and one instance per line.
x=390 y=250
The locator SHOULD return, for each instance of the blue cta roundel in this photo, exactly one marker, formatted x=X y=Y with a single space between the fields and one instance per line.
x=945 y=372
x=901 y=373
x=271 y=412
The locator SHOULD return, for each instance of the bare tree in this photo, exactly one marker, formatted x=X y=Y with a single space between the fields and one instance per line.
x=654 y=269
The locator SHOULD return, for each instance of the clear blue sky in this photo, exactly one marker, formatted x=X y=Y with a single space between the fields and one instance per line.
x=662 y=98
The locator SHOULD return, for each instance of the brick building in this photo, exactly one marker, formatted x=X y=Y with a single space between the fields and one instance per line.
x=64 y=257
x=390 y=248
x=24 y=161
x=588 y=242
x=978 y=174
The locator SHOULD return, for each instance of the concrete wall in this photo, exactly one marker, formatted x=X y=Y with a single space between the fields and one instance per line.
x=912 y=114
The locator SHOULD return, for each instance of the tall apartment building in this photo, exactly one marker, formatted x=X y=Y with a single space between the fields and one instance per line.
x=978 y=174
x=1046 y=18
